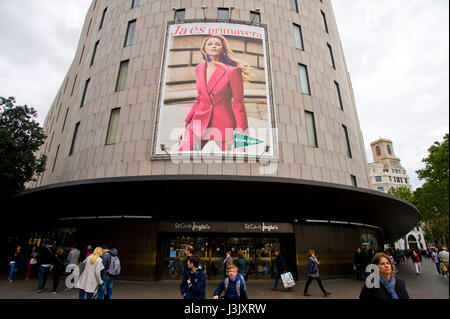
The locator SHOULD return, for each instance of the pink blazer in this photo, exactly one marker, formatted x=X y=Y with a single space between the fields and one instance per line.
x=219 y=104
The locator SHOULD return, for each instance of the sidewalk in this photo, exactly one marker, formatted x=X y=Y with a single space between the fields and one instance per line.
x=427 y=286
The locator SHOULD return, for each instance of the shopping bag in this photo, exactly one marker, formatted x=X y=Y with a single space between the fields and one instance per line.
x=288 y=280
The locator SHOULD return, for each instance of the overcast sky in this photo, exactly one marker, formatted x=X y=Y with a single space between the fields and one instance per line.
x=397 y=53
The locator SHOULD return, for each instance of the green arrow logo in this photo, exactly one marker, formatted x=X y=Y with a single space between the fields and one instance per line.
x=242 y=140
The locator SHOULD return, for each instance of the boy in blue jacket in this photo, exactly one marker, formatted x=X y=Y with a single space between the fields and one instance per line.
x=232 y=286
x=194 y=282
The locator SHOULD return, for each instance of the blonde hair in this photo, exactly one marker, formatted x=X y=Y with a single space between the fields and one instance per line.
x=98 y=252
x=244 y=66
x=233 y=267
x=311 y=252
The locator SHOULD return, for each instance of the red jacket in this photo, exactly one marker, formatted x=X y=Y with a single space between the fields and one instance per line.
x=219 y=104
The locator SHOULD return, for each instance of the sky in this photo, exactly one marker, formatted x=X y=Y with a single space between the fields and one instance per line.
x=397 y=54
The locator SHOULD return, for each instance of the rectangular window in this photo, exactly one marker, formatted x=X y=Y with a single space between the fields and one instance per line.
x=103 y=18
x=65 y=119
x=74 y=138
x=134 y=3
x=324 y=21
x=294 y=5
x=354 y=180
x=81 y=56
x=84 y=92
x=180 y=14
x=304 y=80
x=122 y=77
x=112 y=126
x=330 y=50
x=74 y=82
x=59 y=110
x=378 y=179
x=347 y=140
x=65 y=87
x=89 y=27
x=130 y=33
x=56 y=156
x=311 y=129
x=381 y=189
x=223 y=14
x=338 y=93
x=255 y=17
x=94 y=53
x=298 y=37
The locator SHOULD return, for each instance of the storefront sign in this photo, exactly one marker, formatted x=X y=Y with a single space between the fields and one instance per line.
x=225 y=227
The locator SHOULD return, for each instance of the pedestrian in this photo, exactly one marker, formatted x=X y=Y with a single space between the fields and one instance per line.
x=390 y=287
x=74 y=256
x=242 y=264
x=15 y=261
x=443 y=255
x=358 y=262
x=417 y=260
x=366 y=257
x=435 y=258
x=111 y=270
x=227 y=262
x=388 y=253
x=313 y=273
x=90 y=278
x=31 y=263
x=188 y=251
x=265 y=265
x=232 y=286
x=46 y=259
x=279 y=268
x=193 y=285
x=58 y=268
x=88 y=250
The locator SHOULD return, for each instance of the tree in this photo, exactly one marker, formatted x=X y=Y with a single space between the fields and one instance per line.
x=20 y=137
x=403 y=193
x=432 y=198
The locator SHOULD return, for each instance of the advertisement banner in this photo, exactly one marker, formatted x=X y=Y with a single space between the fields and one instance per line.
x=215 y=92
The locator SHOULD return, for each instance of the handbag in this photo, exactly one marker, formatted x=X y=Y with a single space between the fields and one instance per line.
x=288 y=280
x=312 y=268
x=33 y=261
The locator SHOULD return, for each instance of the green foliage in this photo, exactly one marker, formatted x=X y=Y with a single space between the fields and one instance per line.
x=403 y=193
x=20 y=137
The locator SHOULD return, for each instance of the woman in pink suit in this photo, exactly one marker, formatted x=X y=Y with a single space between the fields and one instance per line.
x=219 y=107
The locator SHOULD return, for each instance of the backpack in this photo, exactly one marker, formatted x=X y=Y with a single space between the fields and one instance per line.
x=114 y=266
x=238 y=286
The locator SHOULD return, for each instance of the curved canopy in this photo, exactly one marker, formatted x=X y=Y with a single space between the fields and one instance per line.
x=221 y=197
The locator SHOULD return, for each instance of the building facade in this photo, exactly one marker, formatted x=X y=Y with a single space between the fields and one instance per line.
x=294 y=175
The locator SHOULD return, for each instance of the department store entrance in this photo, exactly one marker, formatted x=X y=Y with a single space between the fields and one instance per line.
x=211 y=248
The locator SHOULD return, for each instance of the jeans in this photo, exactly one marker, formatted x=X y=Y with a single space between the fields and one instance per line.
x=277 y=278
x=241 y=277
x=81 y=294
x=43 y=272
x=438 y=268
x=108 y=286
x=12 y=270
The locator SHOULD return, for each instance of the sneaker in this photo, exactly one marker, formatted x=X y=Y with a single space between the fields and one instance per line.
x=273 y=289
x=53 y=292
x=307 y=294
x=9 y=280
x=290 y=289
x=327 y=293
x=39 y=291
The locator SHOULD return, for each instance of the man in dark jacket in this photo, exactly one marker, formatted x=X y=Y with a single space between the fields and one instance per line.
x=279 y=268
x=232 y=286
x=189 y=251
x=46 y=259
x=358 y=261
x=194 y=282
x=108 y=279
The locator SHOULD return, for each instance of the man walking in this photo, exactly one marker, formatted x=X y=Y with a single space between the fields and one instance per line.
x=193 y=285
x=227 y=262
x=46 y=259
x=112 y=269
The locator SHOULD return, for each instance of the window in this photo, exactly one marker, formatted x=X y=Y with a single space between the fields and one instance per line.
x=294 y=5
x=89 y=27
x=65 y=118
x=378 y=150
x=311 y=129
x=349 y=151
x=378 y=179
x=179 y=14
x=330 y=50
x=324 y=21
x=406 y=181
x=298 y=37
x=354 y=180
x=65 y=87
x=84 y=92
x=112 y=126
x=134 y=3
x=74 y=138
x=103 y=18
x=130 y=33
x=94 y=53
x=54 y=161
x=389 y=149
x=390 y=178
x=338 y=93
x=304 y=81
x=381 y=189
x=223 y=14
x=255 y=17
x=81 y=56
x=74 y=82
x=122 y=77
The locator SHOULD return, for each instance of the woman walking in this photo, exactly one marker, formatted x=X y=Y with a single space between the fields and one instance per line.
x=417 y=260
x=31 y=262
x=391 y=286
x=313 y=273
x=90 y=278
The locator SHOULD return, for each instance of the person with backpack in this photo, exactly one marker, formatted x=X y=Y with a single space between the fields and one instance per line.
x=194 y=282
x=313 y=273
x=111 y=262
x=232 y=286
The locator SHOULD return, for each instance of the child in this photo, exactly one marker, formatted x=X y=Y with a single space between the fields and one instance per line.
x=232 y=286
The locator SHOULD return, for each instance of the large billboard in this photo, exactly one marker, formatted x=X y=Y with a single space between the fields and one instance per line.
x=215 y=95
